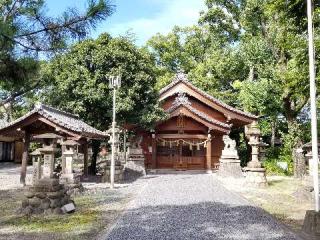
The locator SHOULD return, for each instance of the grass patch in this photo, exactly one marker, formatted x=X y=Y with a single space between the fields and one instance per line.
x=93 y=213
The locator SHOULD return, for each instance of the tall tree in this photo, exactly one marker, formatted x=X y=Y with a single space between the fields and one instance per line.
x=27 y=32
x=80 y=82
x=211 y=67
x=280 y=68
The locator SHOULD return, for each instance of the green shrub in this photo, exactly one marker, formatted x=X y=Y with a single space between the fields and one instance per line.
x=273 y=169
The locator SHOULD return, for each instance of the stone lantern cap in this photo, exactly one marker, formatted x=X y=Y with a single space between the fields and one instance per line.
x=68 y=152
x=36 y=152
x=70 y=143
x=253 y=130
x=116 y=130
x=48 y=149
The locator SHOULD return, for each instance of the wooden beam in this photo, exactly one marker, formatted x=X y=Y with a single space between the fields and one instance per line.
x=85 y=158
x=25 y=157
x=182 y=136
x=182 y=87
x=183 y=110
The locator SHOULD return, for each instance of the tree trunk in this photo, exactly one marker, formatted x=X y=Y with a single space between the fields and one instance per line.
x=299 y=166
x=95 y=152
x=25 y=157
x=273 y=132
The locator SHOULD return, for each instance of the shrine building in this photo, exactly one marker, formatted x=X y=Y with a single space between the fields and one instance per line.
x=191 y=137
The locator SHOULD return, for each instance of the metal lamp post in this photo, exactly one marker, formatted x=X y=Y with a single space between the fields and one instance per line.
x=114 y=83
x=313 y=107
x=312 y=218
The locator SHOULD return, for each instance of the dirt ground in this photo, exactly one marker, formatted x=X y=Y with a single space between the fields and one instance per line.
x=278 y=198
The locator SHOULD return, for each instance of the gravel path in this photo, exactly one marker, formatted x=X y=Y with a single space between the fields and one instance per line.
x=10 y=176
x=193 y=206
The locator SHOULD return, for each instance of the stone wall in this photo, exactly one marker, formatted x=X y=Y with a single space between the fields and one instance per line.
x=46 y=196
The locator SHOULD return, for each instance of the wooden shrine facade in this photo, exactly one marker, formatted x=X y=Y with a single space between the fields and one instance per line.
x=191 y=138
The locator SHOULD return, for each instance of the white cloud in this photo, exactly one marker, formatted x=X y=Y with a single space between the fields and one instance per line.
x=174 y=12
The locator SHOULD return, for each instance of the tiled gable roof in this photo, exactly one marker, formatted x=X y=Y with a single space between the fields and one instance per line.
x=61 y=118
x=181 y=77
x=182 y=100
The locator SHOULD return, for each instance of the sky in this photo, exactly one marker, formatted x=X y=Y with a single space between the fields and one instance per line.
x=143 y=18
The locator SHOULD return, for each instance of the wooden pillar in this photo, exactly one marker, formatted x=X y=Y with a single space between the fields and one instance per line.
x=208 y=155
x=25 y=157
x=85 y=158
x=154 y=151
x=63 y=157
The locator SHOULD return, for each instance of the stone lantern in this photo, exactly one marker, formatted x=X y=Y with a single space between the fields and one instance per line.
x=254 y=142
x=262 y=150
x=255 y=173
x=36 y=163
x=67 y=175
x=48 y=150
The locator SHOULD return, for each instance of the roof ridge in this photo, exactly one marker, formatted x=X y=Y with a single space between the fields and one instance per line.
x=182 y=77
x=198 y=113
x=42 y=106
x=62 y=118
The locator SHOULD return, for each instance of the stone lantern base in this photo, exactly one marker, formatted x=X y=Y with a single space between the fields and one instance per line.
x=118 y=172
x=46 y=196
x=256 y=177
x=311 y=225
x=230 y=168
x=135 y=166
x=69 y=179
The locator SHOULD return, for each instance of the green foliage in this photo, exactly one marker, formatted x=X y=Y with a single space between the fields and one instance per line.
x=270 y=163
x=290 y=141
x=197 y=52
x=80 y=84
x=27 y=32
x=271 y=39
x=273 y=169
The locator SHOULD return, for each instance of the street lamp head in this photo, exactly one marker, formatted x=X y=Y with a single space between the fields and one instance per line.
x=114 y=81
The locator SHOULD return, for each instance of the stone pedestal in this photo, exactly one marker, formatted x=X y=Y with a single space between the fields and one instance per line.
x=118 y=172
x=46 y=196
x=36 y=166
x=311 y=225
x=135 y=166
x=256 y=177
x=36 y=171
x=67 y=176
x=230 y=168
x=48 y=160
x=229 y=161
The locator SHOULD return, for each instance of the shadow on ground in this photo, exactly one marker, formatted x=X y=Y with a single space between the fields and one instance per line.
x=205 y=220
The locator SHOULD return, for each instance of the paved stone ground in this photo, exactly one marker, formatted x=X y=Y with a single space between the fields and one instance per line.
x=194 y=206
x=10 y=176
